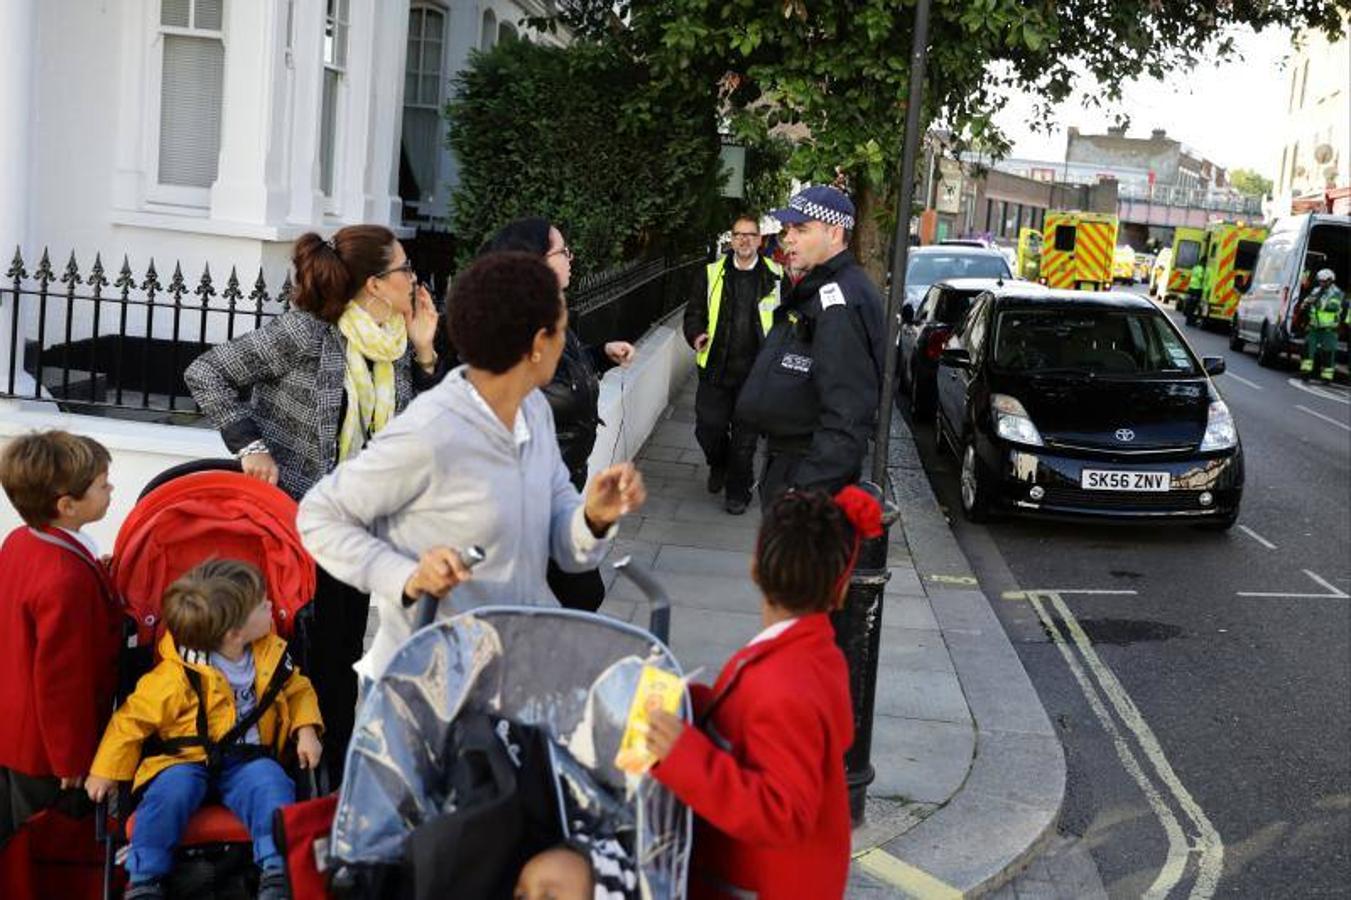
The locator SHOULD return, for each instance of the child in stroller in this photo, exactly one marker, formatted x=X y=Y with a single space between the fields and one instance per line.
x=214 y=715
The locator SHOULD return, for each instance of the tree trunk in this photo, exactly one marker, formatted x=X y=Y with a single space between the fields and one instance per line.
x=875 y=218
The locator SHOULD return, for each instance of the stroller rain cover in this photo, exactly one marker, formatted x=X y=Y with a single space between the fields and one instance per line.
x=572 y=674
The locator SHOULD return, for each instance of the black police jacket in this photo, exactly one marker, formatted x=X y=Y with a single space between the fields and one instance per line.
x=574 y=397
x=815 y=384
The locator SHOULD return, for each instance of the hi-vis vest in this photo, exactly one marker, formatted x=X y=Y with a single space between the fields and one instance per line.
x=767 y=305
x=1327 y=308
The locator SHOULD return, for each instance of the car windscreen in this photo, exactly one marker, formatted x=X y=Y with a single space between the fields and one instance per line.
x=928 y=268
x=1188 y=252
x=1102 y=341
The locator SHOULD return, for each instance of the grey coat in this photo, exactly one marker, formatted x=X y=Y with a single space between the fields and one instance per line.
x=283 y=383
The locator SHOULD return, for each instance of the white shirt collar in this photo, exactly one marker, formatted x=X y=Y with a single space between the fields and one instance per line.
x=85 y=541
x=755 y=262
x=772 y=631
x=520 y=431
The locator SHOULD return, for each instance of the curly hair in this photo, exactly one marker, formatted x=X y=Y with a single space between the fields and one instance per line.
x=805 y=545
x=498 y=305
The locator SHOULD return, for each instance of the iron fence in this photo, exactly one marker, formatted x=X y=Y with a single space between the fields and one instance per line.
x=118 y=345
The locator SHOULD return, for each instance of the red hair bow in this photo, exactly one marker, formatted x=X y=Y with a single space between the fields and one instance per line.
x=862 y=510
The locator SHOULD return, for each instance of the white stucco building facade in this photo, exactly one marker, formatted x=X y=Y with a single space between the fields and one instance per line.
x=1316 y=123
x=217 y=131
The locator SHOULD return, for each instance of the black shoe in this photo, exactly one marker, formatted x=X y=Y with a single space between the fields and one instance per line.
x=717 y=479
x=736 y=507
x=145 y=890
x=272 y=886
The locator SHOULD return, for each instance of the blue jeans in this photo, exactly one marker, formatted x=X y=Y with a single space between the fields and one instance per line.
x=253 y=790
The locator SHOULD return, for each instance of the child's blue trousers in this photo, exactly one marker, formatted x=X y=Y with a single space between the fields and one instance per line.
x=252 y=789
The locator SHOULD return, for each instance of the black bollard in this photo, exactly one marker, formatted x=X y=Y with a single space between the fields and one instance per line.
x=858 y=632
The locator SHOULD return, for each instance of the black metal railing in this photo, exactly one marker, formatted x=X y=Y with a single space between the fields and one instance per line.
x=120 y=346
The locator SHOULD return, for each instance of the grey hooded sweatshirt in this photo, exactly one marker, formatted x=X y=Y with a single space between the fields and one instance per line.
x=447 y=473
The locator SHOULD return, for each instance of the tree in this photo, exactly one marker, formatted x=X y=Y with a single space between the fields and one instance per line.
x=587 y=138
x=1250 y=183
x=838 y=69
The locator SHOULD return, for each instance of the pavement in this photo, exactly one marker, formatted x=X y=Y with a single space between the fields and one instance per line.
x=970 y=773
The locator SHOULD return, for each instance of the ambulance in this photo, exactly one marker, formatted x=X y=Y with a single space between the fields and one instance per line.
x=1231 y=252
x=1187 y=246
x=1077 y=250
x=1029 y=253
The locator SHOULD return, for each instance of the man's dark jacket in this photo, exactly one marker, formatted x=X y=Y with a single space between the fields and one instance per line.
x=814 y=388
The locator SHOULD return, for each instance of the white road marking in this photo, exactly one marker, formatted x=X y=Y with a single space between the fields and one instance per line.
x=1208 y=845
x=1257 y=537
x=1333 y=592
x=1317 y=391
x=1025 y=595
x=1241 y=380
x=1318 y=415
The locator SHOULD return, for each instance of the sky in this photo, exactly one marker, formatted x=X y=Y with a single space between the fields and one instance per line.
x=1231 y=112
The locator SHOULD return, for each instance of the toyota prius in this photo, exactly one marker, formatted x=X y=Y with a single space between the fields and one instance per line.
x=1069 y=404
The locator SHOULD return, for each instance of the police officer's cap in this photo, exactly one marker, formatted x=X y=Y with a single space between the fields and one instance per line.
x=818 y=204
x=1326 y=275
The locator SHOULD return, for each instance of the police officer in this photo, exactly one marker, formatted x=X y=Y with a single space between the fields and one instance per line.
x=813 y=391
x=1325 y=315
x=726 y=322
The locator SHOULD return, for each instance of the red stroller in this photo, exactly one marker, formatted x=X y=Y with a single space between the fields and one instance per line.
x=189 y=514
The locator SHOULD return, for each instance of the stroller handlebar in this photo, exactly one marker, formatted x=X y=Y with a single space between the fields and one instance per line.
x=426 y=603
x=659 y=603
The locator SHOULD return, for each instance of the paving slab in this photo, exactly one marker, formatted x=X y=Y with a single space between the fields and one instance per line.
x=969 y=776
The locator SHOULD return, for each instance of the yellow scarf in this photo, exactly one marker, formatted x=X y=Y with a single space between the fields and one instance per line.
x=372 y=349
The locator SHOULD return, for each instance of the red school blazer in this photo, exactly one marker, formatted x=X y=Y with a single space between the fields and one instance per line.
x=60 y=631
x=765 y=771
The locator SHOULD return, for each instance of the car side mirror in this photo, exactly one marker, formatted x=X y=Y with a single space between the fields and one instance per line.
x=1214 y=365
x=908 y=315
x=955 y=357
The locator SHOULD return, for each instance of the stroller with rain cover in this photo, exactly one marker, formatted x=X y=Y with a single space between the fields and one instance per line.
x=186 y=515
x=422 y=811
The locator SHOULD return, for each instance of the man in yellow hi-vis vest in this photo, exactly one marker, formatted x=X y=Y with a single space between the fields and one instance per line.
x=726 y=319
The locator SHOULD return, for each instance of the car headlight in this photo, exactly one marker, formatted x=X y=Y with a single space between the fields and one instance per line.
x=1220 y=431
x=1011 y=421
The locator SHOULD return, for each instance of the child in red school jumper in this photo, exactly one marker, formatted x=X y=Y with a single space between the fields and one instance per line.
x=764 y=768
x=60 y=622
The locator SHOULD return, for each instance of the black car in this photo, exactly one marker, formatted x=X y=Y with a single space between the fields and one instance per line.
x=924 y=331
x=1071 y=404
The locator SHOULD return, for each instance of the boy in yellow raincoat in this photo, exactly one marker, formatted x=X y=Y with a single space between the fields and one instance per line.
x=218 y=711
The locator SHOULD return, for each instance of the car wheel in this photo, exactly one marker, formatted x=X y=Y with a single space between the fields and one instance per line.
x=1266 y=353
x=975 y=485
x=1236 y=342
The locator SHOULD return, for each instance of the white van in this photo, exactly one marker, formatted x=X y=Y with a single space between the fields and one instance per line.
x=1296 y=246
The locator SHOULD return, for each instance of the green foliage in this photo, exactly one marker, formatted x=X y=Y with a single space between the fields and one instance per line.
x=1250 y=183
x=840 y=68
x=627 y=165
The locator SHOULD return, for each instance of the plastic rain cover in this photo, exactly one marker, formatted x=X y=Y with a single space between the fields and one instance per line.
x=573 y=673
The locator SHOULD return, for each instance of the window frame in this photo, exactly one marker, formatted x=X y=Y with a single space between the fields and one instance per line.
x=342 y=26
x=424 y=7
x=159 y=194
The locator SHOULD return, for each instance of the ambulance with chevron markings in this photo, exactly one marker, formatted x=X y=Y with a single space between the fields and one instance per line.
x=1231 y=252
x=1077 y=250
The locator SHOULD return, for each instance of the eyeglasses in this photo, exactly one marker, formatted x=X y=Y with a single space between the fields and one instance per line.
x=745 y=234
x=566 y=252
x=407 y=267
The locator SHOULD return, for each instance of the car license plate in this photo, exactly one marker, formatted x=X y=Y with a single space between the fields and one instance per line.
x=1121 y=480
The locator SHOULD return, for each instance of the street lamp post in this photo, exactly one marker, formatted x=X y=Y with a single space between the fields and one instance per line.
x=858 y=625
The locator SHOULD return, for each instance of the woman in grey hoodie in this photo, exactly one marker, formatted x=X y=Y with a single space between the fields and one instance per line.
x=472 y=461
